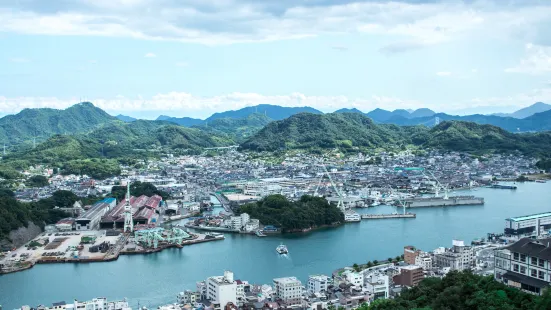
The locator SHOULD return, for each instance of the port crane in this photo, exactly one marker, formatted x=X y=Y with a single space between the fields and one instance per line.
x=424 y=171
x=340 y=203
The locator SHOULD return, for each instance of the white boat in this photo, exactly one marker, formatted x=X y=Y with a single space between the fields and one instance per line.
x=282 y=249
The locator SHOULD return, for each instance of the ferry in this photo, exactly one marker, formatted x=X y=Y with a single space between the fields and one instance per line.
x=259 y=233
x=281 y=249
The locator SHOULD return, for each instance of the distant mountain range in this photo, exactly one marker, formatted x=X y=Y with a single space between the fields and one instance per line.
x=537 y=107
x=125 y=118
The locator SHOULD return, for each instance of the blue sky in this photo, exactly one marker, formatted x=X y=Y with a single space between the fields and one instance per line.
x=192 y=58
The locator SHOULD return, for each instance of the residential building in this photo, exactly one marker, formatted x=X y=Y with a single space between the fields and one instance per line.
x=317 y=284
x=459 y=257
x=525 y=265
x=188 y=297
x=410 y=253
x=409 y=275
x=289 y=290
x=424 y=260
x=353 y=278
x=94 y=304
x=222 y=290
x=377 y=284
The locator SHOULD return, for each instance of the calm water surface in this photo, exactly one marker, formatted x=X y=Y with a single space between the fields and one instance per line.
x=155 y=279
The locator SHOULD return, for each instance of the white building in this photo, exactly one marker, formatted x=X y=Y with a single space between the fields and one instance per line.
x=289 y=290
x=94 y=304
x=459 y=257
x=354 y=278
x=317 y=284
x=243 y=221
x=528 y=226
x=222 y=290
x=188 y=297
x=377 y=284
x=424 y=260
x=351 y=216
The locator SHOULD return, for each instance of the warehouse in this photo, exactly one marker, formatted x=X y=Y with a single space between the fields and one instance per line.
x=91 y=218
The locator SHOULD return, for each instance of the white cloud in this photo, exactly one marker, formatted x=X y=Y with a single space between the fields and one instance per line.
x=413 y=25
x=444 y=73
x=186 y=104
x=150 y=55
x=536 y=61
x=20 y=60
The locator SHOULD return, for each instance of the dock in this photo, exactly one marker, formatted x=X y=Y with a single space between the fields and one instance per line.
x=388 y=216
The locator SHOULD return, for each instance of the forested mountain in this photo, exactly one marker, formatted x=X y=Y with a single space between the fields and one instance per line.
x=237 y=128
x=537 y=122
x=346 y=130
x=97 y=153
x=43 y=123
x=125 y=118
x=384 y=116
x=184 y=121
x=349 y=131
x=274 y=112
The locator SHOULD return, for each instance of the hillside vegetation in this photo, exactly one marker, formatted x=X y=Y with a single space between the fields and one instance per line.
x=463 y=290
x=237 y=128
x=345 y=130
x=352 y=131
x=43 y=123
x=308 y=212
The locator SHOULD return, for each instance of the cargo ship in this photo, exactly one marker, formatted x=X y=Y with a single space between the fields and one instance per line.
x=443 y=201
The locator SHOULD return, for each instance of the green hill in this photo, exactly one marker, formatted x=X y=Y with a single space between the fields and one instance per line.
x=98 y=153
x=472 y=137
x=44 y=123
x=237 y=128
x=345 y=130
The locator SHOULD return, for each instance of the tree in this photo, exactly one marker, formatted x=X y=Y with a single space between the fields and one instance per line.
x=356 y=267
x=398 y=258
x=389 y=260
x=37 y=181
x=375 y=262
x=369 y=264
x=137 y=189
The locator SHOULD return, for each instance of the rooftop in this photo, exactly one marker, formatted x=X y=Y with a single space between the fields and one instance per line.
x=529 y=217
x=535 y=248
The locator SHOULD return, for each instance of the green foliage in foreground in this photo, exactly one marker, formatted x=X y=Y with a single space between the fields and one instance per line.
x=15 y=214
x=308 y=212
x=137 y=189
x=463 y=290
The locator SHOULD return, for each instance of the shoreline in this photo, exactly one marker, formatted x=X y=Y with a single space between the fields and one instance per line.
x=111 y=257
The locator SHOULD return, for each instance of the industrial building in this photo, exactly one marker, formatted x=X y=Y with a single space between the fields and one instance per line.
x=144 y=212
x=525 y=265
x=528 y=226
x=91 y=218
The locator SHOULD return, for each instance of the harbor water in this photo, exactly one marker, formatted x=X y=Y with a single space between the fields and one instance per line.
x=155 y=279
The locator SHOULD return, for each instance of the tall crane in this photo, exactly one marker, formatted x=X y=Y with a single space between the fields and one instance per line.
x=340 y=203
x=439 y=186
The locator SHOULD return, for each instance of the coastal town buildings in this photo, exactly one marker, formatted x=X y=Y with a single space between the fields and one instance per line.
x=289 y=290
x=525 y=265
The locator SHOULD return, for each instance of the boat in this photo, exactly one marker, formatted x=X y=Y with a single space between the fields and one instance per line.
x=540 y=181
x=282 y=249
x=259 y=233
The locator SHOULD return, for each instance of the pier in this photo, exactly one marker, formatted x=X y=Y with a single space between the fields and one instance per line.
x=387 y=216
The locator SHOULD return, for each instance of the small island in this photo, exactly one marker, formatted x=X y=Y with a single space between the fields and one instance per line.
x=305 y=214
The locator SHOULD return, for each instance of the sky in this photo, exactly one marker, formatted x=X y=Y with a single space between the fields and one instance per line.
x=192 y=58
